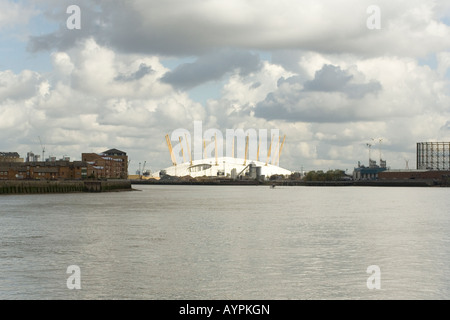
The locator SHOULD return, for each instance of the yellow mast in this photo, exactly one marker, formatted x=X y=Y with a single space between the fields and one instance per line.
x=268 y=153
x=257 y=153
x=232 y=150
x=215 y=146
x=246 y=150
x=204 y=149
x=188 y=149
x=275 y=152
x=182 y=151
x=281 y=149
x=172 y=156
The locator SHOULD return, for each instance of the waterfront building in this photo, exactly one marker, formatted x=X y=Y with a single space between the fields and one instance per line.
x=110 y=164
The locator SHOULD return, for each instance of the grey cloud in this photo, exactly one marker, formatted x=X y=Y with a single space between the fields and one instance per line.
x=333 y=79
x=255 y=85
x=328 y=79
x=212 y=67
x=315 y=100
x=142 y=72
x=289 y=60
x=93 y=22
x=186 y=28
x=274 y=109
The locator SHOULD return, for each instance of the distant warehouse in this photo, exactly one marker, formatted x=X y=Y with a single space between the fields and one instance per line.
x=433 y=163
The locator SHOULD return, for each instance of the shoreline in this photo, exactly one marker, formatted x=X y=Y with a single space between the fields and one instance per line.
x=8 y=187
x=360 y=183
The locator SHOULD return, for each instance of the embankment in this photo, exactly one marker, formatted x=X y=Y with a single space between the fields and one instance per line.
x=66 y=186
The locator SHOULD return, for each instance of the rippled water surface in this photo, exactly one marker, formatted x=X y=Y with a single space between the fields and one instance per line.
x=199 y=242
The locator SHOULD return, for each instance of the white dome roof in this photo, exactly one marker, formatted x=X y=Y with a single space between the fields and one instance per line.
x=209 y=167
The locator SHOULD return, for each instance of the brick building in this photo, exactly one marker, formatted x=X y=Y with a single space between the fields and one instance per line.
x=414 y=175
x=110 y=164
x=43 y=170
x=10 y=157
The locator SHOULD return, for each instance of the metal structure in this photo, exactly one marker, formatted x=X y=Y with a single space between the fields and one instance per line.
x=433 y=156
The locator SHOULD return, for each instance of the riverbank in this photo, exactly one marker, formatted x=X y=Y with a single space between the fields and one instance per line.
x=62 y=186
x=360 y=183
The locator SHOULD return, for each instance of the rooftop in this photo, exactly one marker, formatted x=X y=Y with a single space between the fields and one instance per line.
x=9 y=154
x=114 y=152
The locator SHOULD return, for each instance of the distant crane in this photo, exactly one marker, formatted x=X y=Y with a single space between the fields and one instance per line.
x=380 y=140
x=43 y=149
x=370 y=146
x=143 y=170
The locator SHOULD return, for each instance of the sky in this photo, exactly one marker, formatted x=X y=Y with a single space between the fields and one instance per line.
x=333 y=76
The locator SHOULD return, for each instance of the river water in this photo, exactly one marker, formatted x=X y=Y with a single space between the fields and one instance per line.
x=230 y=242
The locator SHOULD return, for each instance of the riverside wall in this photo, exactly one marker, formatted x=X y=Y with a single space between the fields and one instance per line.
x=36 y=187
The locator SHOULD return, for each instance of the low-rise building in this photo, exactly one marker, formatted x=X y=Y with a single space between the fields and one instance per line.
x=110 y=164
x=10 y=157
x=43 y=170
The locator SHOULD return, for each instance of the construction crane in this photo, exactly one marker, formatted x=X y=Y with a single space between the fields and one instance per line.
x=370 y=156
x=43 y=149
x=143 y=170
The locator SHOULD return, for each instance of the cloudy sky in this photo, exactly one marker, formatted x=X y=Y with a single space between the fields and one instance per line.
x=136 y=70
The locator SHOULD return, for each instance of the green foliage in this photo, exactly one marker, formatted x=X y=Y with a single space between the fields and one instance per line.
x=331 y=175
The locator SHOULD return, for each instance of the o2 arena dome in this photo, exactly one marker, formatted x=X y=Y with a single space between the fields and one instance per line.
x=222 y=167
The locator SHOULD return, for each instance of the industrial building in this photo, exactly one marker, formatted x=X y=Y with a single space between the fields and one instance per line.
x=433 y=163
x=433 y=156
x=231 y=167
x=369 y=173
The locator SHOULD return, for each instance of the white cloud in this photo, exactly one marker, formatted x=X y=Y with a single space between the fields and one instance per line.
x=331 y=86
x=13 y=14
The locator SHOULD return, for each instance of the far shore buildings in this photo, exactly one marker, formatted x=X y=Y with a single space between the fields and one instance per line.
x=433 y=163
x=371 y=172
x=111 y=164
